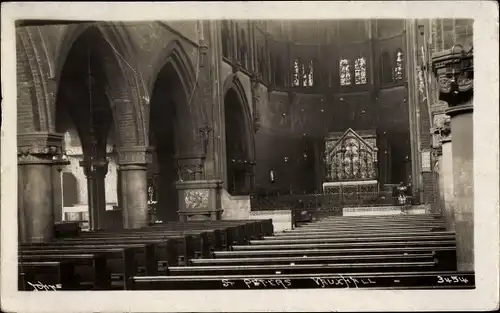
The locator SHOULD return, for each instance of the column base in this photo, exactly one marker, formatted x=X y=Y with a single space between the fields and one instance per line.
x=199 y=200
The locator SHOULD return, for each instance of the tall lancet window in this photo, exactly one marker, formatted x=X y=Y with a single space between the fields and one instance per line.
x=304 y=73
x=360 y=71
x=296 y=73
x=310 y=75
x=399 y=69
x=345 y=72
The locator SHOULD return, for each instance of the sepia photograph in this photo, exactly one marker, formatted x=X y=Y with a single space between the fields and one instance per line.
x=245 y=154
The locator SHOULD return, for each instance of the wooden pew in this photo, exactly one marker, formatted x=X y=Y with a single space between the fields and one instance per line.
x=46 y=276
x=169 y=249
x=121 y=262
x=287 y=236
x=90 y=269
x=373 y=224
x=320 y=228
x=124 y=260
x=360 y=230
x=293 y=260
x=446 y=254
x=284 y=269
x=333 y=245
x=347 y=240
x=188 y=246
x=384 y=217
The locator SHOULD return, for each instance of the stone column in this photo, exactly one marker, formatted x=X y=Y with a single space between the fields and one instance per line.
x=446 y=175
x=463 y=184
x=37 y=154
x=414 y=107
x=454 y=69
x=95 y=170
x=57 y=181
x=133 y=179
x=440 y=131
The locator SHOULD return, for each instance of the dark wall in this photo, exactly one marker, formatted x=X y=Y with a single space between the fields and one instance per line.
x=295 y=119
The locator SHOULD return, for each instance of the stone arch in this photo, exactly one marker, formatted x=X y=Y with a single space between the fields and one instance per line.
x=175 y=117
x=234 y=83
x=126 y=91
x=191 y=111
x=34 y=86
x=233 y=88
x=175 y=55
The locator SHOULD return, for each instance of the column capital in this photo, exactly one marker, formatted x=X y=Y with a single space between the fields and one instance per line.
x=134 y=155
x=94 y=167
x=39 y=148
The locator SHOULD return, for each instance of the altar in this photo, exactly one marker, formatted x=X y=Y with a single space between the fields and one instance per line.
x=351 y=166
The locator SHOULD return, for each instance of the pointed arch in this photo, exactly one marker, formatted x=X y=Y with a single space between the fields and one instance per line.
x=126 y=86
x=176 y=55
x=234 y=83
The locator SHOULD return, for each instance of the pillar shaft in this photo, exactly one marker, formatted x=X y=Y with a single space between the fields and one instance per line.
x=95 y=171
x=35 y=188
x=446 y=176
x=463 y=185
x=133 y=179
x=36 y=154
x=134 y=197
x=454 y=70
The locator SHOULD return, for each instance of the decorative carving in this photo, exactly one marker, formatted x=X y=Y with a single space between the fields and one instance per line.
x=134 y=155
x=351 y=158
x=39 y=146
x=196 y=198
x=190 y=168
x=454 y=71
x=94 y=167
x=255 y=101
x=204 y=136
x=441 y=129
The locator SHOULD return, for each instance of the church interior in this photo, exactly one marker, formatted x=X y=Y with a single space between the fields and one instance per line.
x=165 y=155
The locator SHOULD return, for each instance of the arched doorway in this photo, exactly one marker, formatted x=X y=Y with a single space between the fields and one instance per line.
x=240 y=158
x=171 y=126
x=84 y=115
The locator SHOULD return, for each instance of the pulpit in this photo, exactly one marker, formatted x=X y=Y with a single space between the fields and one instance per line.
x=351 y=166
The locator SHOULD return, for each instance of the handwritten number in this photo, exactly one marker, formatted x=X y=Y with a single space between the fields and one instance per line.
x=440 y=280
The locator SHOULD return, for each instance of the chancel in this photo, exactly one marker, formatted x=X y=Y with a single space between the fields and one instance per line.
x=245 y=154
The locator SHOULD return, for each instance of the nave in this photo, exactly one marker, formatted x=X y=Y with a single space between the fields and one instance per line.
x=395 y=252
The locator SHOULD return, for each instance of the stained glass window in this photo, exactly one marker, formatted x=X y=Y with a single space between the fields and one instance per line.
x=311 y=74
x=360 y=71
x=398 y=70
x=345 y=72
x=304 y=75
x=296 y=75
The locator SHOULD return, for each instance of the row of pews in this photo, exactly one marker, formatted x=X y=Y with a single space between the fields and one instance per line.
x=109 y=260
x=403 y=251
